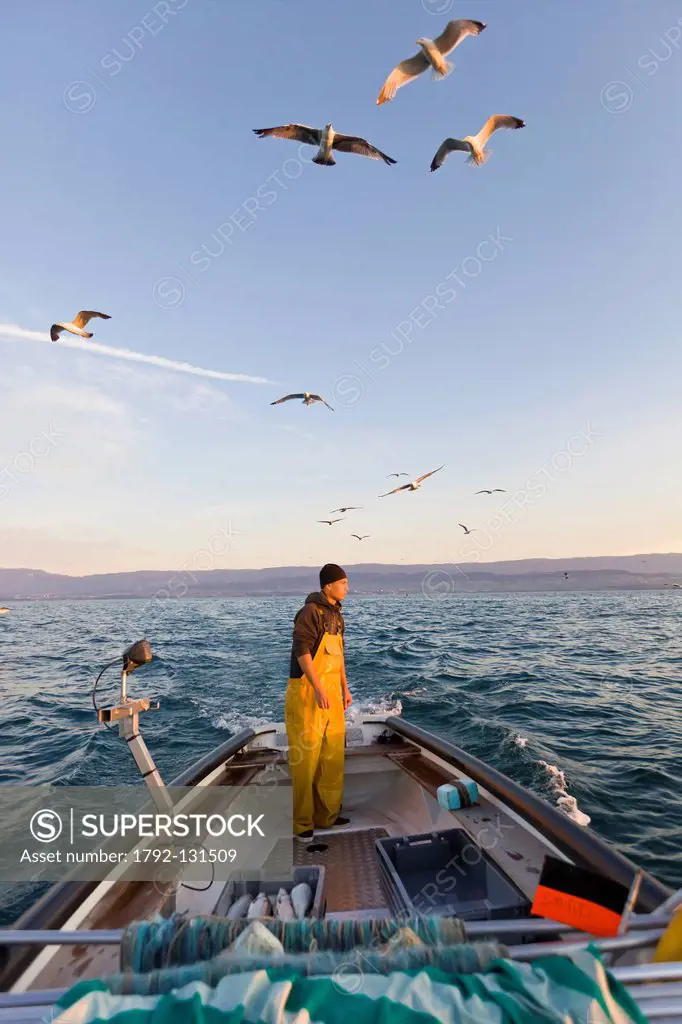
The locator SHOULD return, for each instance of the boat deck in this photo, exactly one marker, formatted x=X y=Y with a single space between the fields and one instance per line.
x=352 y=881
x=389 y=791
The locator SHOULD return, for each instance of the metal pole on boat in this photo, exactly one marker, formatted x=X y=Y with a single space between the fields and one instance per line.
x=127 y=714
x=630 y=902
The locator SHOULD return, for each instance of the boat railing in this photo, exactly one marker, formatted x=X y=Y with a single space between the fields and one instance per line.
x=656 y=987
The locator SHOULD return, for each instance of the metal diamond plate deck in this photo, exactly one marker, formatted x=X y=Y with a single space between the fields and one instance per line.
x=352 y=879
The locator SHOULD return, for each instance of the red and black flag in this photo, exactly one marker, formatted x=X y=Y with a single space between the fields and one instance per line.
x=580 y=898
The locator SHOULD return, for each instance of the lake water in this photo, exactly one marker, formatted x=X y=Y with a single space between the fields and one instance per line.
x=576 y=696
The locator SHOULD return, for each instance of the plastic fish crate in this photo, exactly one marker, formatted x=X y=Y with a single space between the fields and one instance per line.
x=240 y=886
x=446 y=873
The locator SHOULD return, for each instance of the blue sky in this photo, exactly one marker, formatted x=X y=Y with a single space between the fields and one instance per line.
x=127 y=149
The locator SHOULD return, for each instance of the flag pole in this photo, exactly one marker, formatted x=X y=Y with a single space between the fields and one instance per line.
x=630 y=903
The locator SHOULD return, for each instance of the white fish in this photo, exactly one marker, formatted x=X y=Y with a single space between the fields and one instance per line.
x=257 y=939
x=260 y=907
x=301 y=898
x=284 y=910
x=239 y=908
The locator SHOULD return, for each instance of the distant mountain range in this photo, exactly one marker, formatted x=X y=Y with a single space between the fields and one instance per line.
x=628 y=572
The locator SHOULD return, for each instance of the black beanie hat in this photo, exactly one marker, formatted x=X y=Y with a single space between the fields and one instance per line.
x=331 y=573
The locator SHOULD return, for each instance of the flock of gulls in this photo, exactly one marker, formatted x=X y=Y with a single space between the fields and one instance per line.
x=432 y=54
x=414 y=485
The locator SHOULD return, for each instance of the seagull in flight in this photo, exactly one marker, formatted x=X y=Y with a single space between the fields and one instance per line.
x=474 y=145
x=466 y=529
x=326 y=139
x=397 y=474
x=330 y=522
x=306 y=397
x=363 y=537
x=494 y=491
x=77 y=324
x=347 y=508
x=431 y=52
x=414 y=486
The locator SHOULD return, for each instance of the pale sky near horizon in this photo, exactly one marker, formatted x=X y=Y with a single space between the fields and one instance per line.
x=127 y=148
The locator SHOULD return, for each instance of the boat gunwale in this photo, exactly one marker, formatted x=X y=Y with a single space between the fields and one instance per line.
x=583 y=845
x=58 y=905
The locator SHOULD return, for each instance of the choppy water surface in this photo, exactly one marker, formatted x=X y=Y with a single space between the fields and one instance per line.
x=576 y=696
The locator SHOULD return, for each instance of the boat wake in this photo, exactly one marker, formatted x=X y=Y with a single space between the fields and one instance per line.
x=235 y=721
x=567 y=803
x=382 y=706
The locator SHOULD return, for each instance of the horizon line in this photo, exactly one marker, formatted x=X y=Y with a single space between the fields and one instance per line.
x=353 y=565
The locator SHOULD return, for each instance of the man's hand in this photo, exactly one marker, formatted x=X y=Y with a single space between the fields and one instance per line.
x=347 y=698
x=321 y=696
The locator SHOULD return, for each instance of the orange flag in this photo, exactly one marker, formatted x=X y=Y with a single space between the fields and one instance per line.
x=580 y=898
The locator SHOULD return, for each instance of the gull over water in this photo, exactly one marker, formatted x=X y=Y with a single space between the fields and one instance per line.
x=77 y=325
x=307 y=397
x=432 y=53
x=326 y=140
x=474 y=145
x=415 y=485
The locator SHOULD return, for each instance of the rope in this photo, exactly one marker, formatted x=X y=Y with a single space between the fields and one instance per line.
x=467 y=959
x=154 y=945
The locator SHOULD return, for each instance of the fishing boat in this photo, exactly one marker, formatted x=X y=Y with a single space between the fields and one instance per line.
x=398 y=834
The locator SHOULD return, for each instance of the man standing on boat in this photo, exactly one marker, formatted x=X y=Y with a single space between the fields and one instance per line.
x=316 y=699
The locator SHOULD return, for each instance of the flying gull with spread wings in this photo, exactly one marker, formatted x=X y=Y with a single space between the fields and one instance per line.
x=326 y=139
x=495 y=490
x=363 y=537
x=397 y=474
x=466 y=528
x=77 y=324
x=347 y=508
x=306 y=397
x=414 y=486
x=474 y=145
x=432 y=52
x=330 y=522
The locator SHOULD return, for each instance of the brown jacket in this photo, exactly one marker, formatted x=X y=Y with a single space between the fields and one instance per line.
x=317 y=617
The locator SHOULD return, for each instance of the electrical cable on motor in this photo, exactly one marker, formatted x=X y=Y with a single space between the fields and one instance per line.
x=94 y=690
x=204 y=888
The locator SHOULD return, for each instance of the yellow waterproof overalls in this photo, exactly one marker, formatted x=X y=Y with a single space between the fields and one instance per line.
x=316 y=740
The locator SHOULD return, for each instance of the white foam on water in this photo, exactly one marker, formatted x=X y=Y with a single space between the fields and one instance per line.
x=567 y=803
x=520 y=741
x=379 y=707
x=235 y=721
